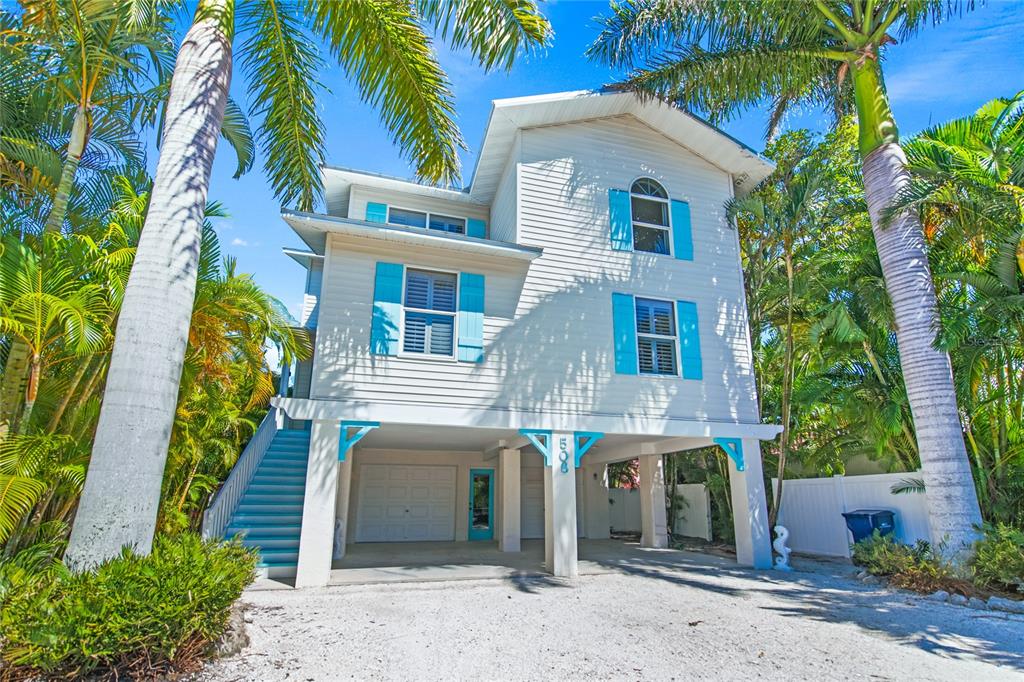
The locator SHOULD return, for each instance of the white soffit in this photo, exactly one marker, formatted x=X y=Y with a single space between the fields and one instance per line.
x=511 y=115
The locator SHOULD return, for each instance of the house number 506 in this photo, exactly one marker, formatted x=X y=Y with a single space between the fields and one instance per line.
x=563 y=454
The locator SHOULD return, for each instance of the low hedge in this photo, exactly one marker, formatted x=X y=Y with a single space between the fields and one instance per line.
x=996 y=565
x=999 y=559
x=132 y=616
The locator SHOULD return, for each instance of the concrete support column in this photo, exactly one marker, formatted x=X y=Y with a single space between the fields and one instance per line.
x=652 y=502
x=560 y=507
x=598 y=516
x=341 y=507
x=509 y=463
x=318 y=505
x=749 y=508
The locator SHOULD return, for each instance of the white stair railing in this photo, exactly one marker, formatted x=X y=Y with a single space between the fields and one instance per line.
x=225 y=501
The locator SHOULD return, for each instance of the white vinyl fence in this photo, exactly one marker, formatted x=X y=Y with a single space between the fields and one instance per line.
x=812 y=510
x=693 y=520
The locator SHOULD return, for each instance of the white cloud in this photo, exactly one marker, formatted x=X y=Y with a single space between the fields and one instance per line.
x=239 y=242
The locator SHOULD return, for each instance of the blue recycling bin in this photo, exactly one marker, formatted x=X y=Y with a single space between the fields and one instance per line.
x=864 y=522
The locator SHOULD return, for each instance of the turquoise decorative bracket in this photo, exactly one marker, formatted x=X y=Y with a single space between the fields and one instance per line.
x=734 y=448
x=534 y=436
x=346 y=441
x=581 y=447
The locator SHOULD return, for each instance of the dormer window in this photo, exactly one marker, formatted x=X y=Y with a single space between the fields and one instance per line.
x=649 y=207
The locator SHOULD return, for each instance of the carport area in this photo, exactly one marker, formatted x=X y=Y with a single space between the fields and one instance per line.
x=420 y=498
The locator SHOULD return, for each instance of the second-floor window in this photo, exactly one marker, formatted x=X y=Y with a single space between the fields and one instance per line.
x=435 y=221
x=429 y=313
x=656 y=337
x=649 y=206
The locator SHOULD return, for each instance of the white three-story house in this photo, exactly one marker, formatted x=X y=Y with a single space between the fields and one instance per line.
x=482 y=355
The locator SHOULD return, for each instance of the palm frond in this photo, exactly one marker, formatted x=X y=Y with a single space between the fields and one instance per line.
x=384 y=50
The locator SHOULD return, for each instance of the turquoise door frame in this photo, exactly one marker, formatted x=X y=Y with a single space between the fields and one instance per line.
x=488 y=532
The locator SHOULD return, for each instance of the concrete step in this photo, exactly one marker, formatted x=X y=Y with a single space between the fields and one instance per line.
x=288 y=453
x=289 y=445
x=277 y=499
x=272 y=541
x=279 y=555
x=283 y=463
x=274 y=489
x=247 y=519
x=286 y=530
x=276 y=469
x=270 y=508
x=279 y=479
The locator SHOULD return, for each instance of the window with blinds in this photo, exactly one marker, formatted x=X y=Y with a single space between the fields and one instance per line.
x=429 y=313
x=656 y=336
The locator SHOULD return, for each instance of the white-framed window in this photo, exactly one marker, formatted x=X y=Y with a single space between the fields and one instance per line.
x=429 y=303
x=657 y=338
x=424 y=219
x=649 y=207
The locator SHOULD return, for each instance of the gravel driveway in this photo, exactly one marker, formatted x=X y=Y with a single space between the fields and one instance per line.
x=708 y=619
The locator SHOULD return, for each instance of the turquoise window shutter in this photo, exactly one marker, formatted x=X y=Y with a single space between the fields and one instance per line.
x=682 y=232
x=376 y=213
x=471 y=317
x=689 y=340
x=621 y=220
x=476 y=228
x=624 y=329
x=387 y=309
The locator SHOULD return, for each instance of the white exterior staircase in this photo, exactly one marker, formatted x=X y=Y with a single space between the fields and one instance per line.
x=269 y=515
x=261 y=501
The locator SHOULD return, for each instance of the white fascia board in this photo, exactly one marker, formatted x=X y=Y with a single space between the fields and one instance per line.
x=416 y=237
x=433 y=415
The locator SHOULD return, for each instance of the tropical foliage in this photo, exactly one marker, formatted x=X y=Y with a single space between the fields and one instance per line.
x=720 y=57
x=60 y=294
x=823 y=329
x=137 y=617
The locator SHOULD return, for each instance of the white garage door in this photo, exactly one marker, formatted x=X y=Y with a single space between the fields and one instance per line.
x=532 y=507
x=405 y=503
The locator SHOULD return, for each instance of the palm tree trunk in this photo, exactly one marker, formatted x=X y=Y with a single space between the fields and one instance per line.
x=13 y=389
x=76 y=146
x=787 y=389
x=69 y=394
x=952 y=500
x=134 y=429
x=35 y=370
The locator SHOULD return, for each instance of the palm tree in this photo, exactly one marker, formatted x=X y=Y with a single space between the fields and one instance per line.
x=785 y=213
x=46 y=304
x=967 y=181
x=720 y=56
x=384 y=47
x=107 y=63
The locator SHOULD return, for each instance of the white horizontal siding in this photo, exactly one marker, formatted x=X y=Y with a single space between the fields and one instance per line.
x=548 y=329
x=311 y=298
x=360 y=196
x=503 y=210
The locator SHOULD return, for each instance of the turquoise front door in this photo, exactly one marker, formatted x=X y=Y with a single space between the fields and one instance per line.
x=481 y=504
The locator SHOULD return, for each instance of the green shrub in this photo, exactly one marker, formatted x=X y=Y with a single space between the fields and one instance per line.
x=913 y=567
x=999 y=558
x=135 y=615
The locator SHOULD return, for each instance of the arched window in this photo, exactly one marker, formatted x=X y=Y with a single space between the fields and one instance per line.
x=650 y=210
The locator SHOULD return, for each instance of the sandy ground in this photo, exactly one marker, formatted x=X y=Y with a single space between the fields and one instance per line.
x=705 y=619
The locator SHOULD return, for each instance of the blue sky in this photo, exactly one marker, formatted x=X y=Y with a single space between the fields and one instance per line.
x=945 y=72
